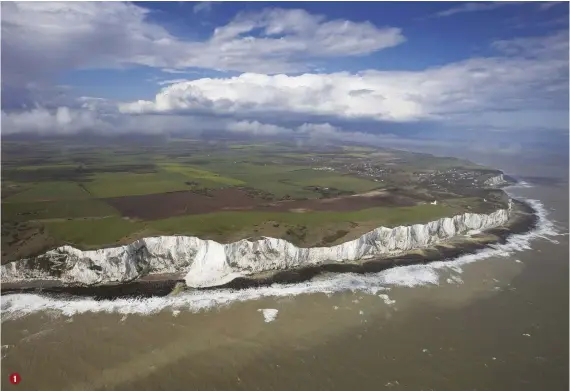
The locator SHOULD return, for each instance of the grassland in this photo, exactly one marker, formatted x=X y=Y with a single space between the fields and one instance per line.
x=229 y=226
x=230 y=221
x=42 y=210
x=71 y=192
x=193 y=173
x=49 y=191
x=105 y=185
x=90 y=233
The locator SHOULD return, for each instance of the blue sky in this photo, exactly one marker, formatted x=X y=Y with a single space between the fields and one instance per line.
x=380 y=72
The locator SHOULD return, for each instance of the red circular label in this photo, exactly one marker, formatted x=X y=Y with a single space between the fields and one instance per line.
x=15 y=378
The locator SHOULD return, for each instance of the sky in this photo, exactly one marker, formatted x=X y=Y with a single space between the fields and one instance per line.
x=488 y=76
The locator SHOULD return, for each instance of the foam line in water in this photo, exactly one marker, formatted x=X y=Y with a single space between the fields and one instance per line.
x=521 y=185
x=18 y=305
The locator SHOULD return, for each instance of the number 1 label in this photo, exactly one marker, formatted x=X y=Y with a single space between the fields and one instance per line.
x=15 y=378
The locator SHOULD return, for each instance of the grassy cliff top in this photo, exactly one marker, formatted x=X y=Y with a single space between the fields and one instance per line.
x=92 y=195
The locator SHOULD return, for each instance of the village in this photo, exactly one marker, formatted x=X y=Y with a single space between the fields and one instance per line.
x=388 y=174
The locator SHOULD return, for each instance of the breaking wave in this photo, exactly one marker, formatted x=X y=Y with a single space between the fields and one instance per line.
x=17 y=305
x=521 y=184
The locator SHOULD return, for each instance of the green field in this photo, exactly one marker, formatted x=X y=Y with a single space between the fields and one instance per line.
x=310 y=177
x=22 y=211
x=227 y=221
x=89 y=233
x=108 y=185
x=221 y=225
x=193 y=173
x=49 y=191
x=290 y=180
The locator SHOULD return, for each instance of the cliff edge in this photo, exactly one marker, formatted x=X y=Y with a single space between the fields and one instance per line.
x=206 y=263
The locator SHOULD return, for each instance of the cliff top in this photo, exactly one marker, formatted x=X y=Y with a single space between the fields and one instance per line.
x=56 y=193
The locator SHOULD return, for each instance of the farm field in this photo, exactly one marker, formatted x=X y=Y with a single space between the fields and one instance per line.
x=112 y=192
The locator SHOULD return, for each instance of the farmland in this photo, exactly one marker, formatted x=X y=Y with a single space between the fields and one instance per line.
x=110 y=192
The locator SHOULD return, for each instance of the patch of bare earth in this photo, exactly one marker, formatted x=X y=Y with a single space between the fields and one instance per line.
x=164 y=205
x=30 y=240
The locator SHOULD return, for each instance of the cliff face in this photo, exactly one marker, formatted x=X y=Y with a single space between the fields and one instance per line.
x=208 y=263
x=495 y=181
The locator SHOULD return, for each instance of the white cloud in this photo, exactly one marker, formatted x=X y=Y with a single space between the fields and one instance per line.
x=42 y=39
x=171 y=81
x=100 y=116
x=474 y=7
x=176 y=71
x=321 y=94
x=296 y=32
x=47 y=37
x=306 y=131
x=257 y=128
x=545 y=5
x=530 y=73
x=203 y=6
x=89 y=118
x=63 y=120
x=553 y=47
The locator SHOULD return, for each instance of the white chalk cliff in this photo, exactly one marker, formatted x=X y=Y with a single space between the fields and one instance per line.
x=208 y=263
x=495 y=181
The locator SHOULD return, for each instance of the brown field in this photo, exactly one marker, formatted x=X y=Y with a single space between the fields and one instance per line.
x=165 y=205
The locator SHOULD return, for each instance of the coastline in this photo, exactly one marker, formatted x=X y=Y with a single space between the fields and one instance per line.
x=523 y=219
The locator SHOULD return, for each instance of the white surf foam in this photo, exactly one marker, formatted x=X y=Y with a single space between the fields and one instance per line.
x=18 y=305
x=387 y=299
x=520 y=184
x=269 y=314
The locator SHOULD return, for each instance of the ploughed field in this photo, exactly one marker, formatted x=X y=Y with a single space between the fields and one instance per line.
x=164 y=205
x=69 y=191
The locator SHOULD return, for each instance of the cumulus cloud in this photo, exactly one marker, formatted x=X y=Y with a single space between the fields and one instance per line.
x=529 y=73
x=42 y=39
x=95 y=116
x=319 y=94
x=307 y=131
x=62 y=120
x=100 y=117
x=90 y=118
x=257 y=128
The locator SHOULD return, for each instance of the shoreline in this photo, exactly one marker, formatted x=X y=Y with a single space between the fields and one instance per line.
x=524 y=219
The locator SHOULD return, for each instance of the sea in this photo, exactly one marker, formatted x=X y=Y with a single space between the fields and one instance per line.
x=496 y=320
